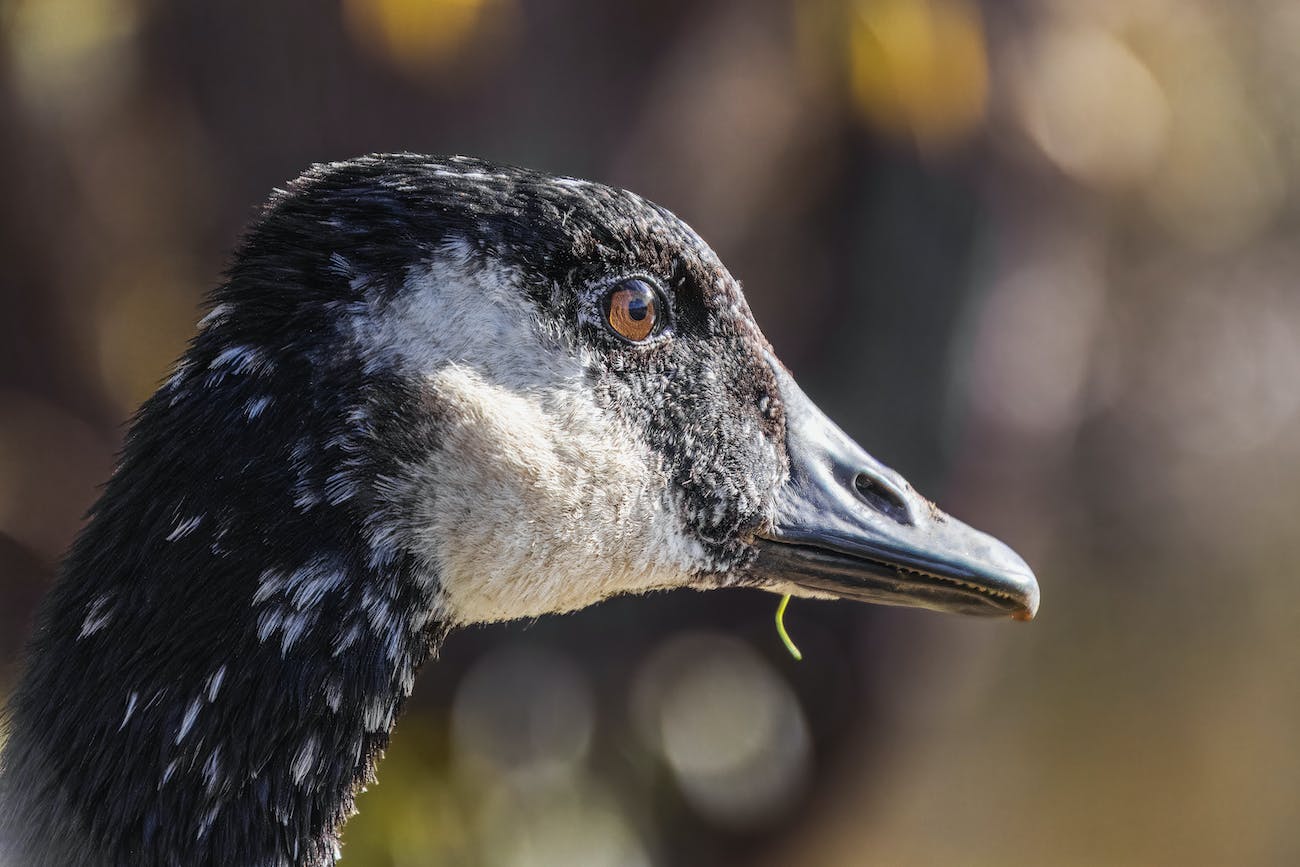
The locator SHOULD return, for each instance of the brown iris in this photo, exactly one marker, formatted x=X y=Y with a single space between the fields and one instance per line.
x=633 y=309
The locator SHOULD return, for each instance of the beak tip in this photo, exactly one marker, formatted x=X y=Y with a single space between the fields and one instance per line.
x=1028 y=612
x=1017 y=577
x=1029 y=608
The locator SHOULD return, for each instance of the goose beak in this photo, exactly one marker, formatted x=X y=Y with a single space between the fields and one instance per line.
x=848 y=527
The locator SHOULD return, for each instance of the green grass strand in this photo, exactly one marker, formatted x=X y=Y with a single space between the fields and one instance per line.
x=780 y=628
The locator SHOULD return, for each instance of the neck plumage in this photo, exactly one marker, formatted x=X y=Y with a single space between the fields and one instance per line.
x=219 y=667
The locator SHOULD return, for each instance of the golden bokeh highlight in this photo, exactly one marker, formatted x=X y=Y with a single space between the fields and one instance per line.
x=68 y=56
x=918 y=68
x=46 y=453
x=145 y=317
x=1222 y=179
x=420 y=35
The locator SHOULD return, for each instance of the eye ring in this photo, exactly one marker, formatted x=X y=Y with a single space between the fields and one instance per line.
x=635 y=310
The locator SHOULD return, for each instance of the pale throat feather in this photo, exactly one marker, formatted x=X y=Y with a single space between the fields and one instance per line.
x=543 y=504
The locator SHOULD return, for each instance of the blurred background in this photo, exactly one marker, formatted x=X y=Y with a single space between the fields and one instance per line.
x=1039 y=256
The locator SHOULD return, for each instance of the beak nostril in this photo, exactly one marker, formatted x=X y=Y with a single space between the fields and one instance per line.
x=882 y=497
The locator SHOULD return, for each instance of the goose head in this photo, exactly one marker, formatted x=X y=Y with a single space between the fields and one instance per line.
x=430 y=392
x=597 y=411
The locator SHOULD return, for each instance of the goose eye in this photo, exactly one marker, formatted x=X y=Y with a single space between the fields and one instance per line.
x=632 y=309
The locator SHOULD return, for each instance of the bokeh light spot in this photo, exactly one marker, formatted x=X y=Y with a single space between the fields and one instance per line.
x=49 y=462
x=918 y=68
x=729 y=727
x=557 y=820
x=420 y=35
x=519 y=708
x=146 y=314
x=71 y=57
x=1092 y=106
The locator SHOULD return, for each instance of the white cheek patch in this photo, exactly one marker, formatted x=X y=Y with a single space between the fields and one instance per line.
x=543 y=505
x=454 y=311
x=536 y=501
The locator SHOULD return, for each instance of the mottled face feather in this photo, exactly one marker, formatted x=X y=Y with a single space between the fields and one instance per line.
x=483 y=290
x=405 y=409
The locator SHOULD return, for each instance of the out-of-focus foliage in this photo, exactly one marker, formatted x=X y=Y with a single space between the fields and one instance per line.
x=1040 y=255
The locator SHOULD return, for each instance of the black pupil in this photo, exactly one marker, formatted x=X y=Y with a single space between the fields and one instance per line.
x=638 y=307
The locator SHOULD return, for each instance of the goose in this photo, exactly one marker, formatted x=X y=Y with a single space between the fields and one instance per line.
x=430 y=392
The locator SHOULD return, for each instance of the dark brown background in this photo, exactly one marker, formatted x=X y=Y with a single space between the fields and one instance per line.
x=1040 y=256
